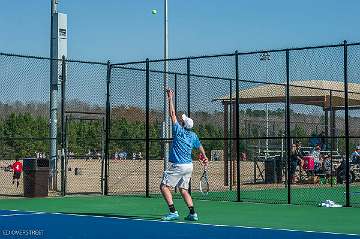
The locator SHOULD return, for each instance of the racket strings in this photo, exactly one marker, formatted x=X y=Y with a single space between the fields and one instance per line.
x=204 y=183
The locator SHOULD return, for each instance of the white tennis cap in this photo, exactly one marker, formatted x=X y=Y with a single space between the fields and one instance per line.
x=358 y=147
x=188 y=123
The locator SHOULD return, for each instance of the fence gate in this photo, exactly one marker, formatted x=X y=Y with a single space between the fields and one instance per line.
x=85 y=140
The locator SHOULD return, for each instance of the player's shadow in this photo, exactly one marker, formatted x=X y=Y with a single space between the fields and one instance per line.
x=145 y=217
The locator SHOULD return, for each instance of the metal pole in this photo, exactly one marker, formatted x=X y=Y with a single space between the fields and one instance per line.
x=176 y=88
x=282 y=155
x=332 y=133
x=266 y=57
x=288 y=140
x=347 y=153
x=176 y=104
x=166 y=122
x=326 y=128
x=54 y=6
x=230 y=139
x=53 y=103
x=267 y=132
x=237 y=118
x=107 y=129
x=103 y=132
x=226 y=145
x=67 y=128
x=188 y=86
x=147 y=146
x=188 y=98
x=63 y=143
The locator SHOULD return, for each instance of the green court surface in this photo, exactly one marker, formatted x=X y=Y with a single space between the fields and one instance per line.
x=299 y=195
x=279 y=216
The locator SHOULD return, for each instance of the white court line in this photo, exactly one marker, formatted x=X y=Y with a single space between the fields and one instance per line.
x=21 y=214
x=179 y=222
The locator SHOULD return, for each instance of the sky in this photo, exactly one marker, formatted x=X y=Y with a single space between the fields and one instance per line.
x=126 y=30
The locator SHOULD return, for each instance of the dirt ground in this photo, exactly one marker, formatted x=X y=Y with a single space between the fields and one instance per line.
x=128 y=177
x=125 y=176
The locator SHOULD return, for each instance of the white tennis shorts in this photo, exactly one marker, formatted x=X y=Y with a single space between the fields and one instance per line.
x=178 y=175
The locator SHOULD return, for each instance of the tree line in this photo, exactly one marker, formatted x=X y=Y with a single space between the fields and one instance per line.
x=24 y=134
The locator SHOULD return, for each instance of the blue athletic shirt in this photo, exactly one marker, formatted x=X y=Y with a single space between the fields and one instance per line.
x=182 y=145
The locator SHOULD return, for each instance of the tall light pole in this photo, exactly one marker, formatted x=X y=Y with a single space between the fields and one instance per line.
x=58 y=49
x=53 y=100
x=166 y=123
x=165 y=128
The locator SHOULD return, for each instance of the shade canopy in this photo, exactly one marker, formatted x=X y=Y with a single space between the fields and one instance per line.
x=321 y=93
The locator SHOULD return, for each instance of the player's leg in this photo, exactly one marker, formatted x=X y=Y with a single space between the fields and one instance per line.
x=17 y=181
x=170 y=180
x=17 y=177
x=186 y=196
x=183 y=186
x=192 y=216
x=166 y=192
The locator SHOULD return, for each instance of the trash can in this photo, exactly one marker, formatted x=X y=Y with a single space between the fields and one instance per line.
x=273 y=170
x=36 y=177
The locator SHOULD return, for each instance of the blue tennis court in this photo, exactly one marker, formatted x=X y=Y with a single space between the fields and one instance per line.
x=22 y=224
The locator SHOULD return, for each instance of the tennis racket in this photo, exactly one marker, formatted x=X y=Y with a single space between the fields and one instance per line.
x=204 y=180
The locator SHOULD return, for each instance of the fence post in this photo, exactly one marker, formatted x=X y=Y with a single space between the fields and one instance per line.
x=147 y=133
x=347 y=153
x=63 y=136
x=288 y=139
x=188 y=98
x=107 y=130
x=332 y=134
x=176 y=88
x=237 y=118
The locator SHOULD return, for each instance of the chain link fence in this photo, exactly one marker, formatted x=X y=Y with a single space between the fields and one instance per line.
x=24 y=117
x=279 y=126
x=273 y=122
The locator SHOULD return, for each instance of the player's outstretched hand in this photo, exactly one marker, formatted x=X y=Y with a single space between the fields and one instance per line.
x=170 y=93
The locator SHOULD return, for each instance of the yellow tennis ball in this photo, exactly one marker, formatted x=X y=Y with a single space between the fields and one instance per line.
x=154 y=11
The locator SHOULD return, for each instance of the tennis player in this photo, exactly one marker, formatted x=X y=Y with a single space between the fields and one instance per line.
x=180 y=167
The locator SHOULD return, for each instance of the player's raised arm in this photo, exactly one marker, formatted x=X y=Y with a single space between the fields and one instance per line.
x=172 y=112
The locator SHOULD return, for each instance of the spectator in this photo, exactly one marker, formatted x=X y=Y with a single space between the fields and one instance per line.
x=355 y=156
x=318 y=157
x=300 y=154
x=243 y=156
x=314 y=140
x=323 y=140
x=295 y=160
